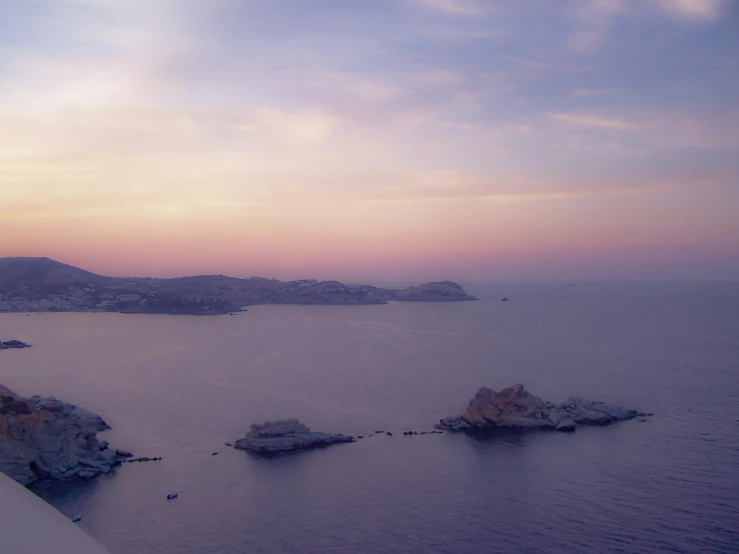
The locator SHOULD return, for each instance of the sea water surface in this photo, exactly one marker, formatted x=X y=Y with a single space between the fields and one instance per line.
x=180 y=387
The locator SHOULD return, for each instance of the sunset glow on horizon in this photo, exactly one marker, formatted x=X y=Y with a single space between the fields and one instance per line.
x=373 y=140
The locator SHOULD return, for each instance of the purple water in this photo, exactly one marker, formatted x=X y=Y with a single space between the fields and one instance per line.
x=179 y=387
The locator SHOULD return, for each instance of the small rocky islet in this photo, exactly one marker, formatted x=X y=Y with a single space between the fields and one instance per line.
x=515 y=408
x=45 y=438
x=286 y=435
x=7 y=345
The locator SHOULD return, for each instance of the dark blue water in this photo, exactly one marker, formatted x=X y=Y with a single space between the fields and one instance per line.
x=179 y=387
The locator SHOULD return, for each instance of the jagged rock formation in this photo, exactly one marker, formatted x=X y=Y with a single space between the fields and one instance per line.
x=516 y=408
x=41 y=284
x=273 y=437
x=7 y=345
x=45 y=438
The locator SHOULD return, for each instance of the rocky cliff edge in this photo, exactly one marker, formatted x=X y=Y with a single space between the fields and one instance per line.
x=45 y=438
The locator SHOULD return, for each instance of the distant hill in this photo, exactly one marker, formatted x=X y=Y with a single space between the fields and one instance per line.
x=42 y=284
x=44 y=271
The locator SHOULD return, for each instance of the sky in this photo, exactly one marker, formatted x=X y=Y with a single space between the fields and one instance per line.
x=375 y=140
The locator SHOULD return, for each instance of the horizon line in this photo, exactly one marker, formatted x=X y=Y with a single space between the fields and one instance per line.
x=404 y=281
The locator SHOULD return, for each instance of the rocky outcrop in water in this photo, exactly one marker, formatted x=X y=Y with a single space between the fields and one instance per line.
x=516 y=408
x=13 y=344
x=45 y=438
x=443 y=291
x=273 y=437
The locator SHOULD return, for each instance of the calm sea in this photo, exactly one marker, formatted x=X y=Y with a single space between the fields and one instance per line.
x=179 y=387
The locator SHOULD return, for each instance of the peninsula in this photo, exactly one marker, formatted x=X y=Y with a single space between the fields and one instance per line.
x=45 y=285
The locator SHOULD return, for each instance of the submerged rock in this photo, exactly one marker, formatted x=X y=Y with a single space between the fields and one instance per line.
x=272 y=437
x=45 y=438
x=566 y=425
x=516 y=408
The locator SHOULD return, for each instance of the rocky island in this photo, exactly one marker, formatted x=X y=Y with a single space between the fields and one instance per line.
x=45 y=285
x=515 y=408
x=7 y=345
x=45 y=438
x=286 y=435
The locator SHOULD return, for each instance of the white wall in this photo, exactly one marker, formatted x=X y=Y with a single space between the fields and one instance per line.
x=28 y=525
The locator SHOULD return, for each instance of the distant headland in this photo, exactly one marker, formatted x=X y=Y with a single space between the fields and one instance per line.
x=45 y=285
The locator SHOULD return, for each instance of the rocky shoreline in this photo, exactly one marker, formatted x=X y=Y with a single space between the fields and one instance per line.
x=45 y=438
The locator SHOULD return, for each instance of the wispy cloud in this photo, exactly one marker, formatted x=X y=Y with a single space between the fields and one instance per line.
x=450 y=186
x=362 y=86
x=583 y=120
x=308 y=127
x=698 y=10
x=453 y=7
x=594 y=19
x=586 y=92
x=440 y=77
x=465 y=34
x=527 y=62
x=542 y=66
